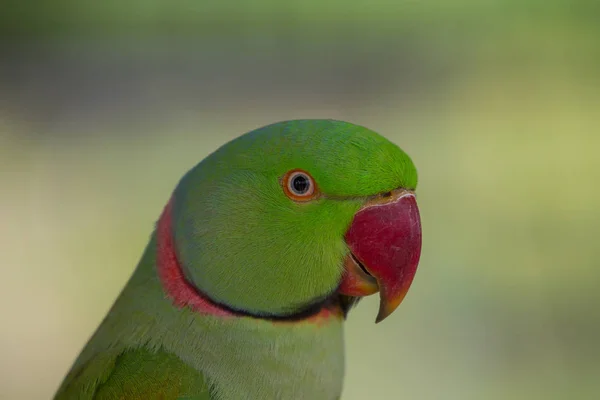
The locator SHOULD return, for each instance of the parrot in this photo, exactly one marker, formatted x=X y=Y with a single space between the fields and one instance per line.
x=257 y=258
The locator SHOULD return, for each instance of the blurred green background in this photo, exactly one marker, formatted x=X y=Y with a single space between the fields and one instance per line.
x=104 y=105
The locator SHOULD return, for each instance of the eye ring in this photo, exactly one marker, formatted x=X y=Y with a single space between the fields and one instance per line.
x=299 y=185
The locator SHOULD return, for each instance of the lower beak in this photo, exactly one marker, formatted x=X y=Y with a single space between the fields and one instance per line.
x=385 y=246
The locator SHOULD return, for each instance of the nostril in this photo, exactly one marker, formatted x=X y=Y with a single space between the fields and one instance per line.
x=386 y=194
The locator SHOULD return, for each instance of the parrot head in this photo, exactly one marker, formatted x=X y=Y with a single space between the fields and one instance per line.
x=291 y=215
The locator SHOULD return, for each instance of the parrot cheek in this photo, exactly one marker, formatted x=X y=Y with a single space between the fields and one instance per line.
x=385 y=244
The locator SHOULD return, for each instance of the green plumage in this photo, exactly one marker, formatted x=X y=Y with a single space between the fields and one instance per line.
x=139 y=374
x=244 y=244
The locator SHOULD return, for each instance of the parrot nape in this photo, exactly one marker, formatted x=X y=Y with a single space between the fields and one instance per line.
x=255 y=262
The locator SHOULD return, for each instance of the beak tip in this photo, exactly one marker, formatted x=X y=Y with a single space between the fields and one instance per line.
x=384 y=312
x=388 y=305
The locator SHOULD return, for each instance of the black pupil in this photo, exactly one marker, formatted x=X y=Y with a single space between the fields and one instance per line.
x=300 y=184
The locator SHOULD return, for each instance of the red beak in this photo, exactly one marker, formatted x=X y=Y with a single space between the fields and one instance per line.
x=385 y=244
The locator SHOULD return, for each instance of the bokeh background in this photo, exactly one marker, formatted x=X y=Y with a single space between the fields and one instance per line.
x=104 y=105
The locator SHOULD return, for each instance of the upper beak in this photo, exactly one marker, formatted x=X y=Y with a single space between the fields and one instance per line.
x=385 y=245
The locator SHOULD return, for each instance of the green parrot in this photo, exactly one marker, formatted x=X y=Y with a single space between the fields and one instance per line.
x=255 y=262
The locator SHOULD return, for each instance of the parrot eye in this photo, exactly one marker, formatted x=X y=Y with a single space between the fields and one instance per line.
x=298 y=185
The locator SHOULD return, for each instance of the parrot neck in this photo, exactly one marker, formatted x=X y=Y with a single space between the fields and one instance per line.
x=184 y=294
x=242 y=357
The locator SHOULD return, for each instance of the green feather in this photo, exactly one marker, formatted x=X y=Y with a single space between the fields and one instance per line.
x=137 y=374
